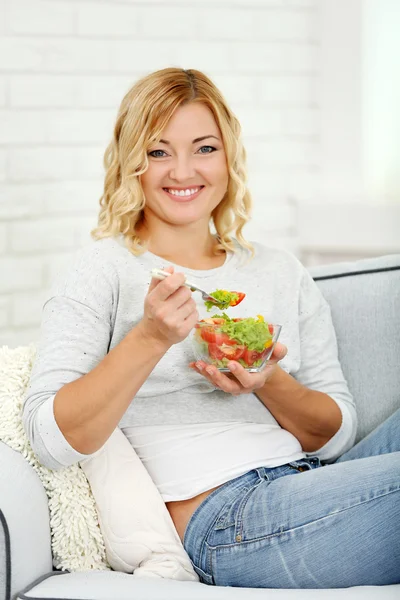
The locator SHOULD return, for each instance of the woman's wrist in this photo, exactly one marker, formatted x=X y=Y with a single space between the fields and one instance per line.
x=276 y=379
x=280 y=386
x=145 y=339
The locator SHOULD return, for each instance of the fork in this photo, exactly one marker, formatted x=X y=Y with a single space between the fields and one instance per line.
x=160 y=274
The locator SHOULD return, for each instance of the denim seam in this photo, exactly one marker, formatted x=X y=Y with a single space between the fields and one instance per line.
x=241 y=507
x=283 y=531
x=204 y=551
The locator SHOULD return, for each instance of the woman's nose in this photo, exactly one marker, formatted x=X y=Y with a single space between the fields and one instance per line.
x=182 y=170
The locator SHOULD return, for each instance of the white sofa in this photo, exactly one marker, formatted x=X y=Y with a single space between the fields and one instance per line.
x=365 y=302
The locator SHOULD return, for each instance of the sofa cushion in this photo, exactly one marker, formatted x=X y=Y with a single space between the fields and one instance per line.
x=365 y=302
x=25 y=550
x=76 y=539
x=105 y=585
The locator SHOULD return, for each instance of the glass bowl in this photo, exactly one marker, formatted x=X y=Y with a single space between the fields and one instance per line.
x=249 y=341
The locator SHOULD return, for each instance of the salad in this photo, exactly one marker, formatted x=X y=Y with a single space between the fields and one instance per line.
x=224 y=299
x=220 y=339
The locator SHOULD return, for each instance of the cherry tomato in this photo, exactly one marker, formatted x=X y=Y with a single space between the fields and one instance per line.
x=233 y=352
x=208 y=334
x=215 y=352
x=213 y=336
x=251 y=356
x=224 y=339
x=238 y=300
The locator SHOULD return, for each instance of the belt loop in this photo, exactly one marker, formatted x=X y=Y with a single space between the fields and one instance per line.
x=261 y=472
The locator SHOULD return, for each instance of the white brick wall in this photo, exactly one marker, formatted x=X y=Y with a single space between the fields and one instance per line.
x=64 y=68
x=3 y=157
x=2 y=91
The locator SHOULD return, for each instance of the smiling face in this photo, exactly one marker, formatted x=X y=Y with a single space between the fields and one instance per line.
x=187 y=175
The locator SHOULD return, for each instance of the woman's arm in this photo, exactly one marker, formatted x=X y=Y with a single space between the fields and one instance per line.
x=312 y=417
x=79 y=390
x=88 y=409
x=313 y=403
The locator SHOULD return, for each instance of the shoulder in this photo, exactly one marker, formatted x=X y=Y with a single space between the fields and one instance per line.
x=272 y=258
x=289 y=269
x=106 y=250
x=94 y=264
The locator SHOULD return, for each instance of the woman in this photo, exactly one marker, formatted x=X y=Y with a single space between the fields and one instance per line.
x=257 y=470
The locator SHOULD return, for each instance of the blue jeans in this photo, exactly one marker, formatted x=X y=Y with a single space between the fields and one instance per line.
x=306 y=525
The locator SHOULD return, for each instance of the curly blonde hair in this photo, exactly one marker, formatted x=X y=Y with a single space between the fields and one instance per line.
x=144 y=113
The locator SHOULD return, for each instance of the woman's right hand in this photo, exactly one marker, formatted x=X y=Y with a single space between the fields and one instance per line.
x=170 y=312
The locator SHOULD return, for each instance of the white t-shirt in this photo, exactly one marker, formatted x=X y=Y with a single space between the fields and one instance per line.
x=177 y=457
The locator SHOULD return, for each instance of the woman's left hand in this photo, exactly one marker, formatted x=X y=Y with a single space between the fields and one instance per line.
x=239 y=381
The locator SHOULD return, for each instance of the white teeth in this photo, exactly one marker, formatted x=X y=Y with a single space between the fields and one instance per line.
x=187 y=192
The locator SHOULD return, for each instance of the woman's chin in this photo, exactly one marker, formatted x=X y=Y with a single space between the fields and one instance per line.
x=188 y=219
x=188 y=216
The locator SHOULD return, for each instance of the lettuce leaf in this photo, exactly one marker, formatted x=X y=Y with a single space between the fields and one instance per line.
x=224 y=299
x=251 y=332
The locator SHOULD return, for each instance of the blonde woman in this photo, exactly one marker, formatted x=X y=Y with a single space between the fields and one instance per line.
x=258 y=470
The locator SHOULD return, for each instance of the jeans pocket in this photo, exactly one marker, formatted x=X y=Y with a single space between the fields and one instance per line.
x=232 y=521
x=227 y=516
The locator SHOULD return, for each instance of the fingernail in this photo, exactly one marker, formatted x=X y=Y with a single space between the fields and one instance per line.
x=199 y=366
x=232 y=367
x=210 y=370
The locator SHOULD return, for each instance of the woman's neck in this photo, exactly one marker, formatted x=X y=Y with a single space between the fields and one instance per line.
x=191 y=249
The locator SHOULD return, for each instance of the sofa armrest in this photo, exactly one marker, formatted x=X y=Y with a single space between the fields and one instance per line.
x=24 y=523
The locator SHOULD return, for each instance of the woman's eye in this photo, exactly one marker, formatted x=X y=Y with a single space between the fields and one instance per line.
x=157 y=153
x=207 y=149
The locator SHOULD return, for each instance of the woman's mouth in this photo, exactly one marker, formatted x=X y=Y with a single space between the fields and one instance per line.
x=183 y=194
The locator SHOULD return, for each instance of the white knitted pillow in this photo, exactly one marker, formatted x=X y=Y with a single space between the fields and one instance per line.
x=76 y=539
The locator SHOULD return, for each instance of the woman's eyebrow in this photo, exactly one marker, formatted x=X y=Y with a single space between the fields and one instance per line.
x=199 y=139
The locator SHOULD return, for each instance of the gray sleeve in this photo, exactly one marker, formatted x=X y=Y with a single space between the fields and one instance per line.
x=75 y=336
x=320 y=368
